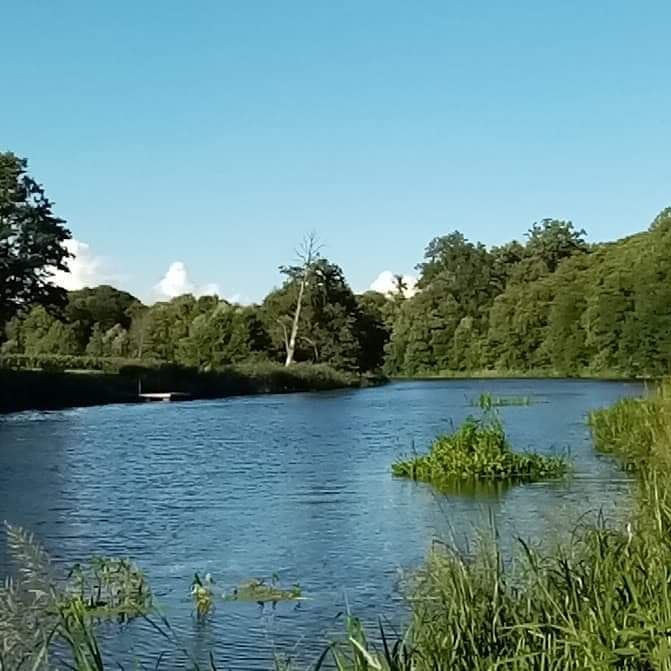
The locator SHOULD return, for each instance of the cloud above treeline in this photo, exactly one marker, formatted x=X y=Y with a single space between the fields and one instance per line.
x=86 y=268
x=177 y=281
x=385 y=283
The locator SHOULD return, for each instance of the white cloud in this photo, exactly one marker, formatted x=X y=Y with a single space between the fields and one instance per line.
x=86 y=269
x=385 y=283
x=176 y=282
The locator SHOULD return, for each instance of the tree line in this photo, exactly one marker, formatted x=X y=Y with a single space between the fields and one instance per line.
x=551 y=303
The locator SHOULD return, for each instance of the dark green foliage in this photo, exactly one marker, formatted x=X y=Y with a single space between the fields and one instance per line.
x=56 y=362
x=96 y=311
x=31 y=241
x=478 y=450
x=554 y=305
x=551 y=241
x=337 y=328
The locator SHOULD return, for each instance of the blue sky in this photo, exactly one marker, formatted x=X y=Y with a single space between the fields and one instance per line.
x=216 y=134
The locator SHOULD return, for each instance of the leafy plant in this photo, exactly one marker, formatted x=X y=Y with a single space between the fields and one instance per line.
x=39 y=611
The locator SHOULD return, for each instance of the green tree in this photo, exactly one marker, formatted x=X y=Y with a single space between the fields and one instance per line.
x=31 y=241
x=552 y=240
x=329 y=325
x=103 y=305
x=374 y=330
x=42 y=333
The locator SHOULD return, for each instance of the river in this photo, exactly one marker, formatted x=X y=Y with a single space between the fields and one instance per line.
x=298 y=485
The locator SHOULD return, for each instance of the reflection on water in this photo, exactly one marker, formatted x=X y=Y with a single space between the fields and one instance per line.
x=295 y=485
x=485 y=490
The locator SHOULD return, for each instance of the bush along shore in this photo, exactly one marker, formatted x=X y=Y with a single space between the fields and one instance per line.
x=97 y=382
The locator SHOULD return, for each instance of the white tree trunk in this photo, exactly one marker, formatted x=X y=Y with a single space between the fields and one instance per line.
x=308 y=252
x=291 y=345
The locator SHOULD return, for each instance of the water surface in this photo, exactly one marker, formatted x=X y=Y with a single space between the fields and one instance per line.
x=297 y=485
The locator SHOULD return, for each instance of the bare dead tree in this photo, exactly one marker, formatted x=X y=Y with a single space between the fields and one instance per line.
x=307 y=254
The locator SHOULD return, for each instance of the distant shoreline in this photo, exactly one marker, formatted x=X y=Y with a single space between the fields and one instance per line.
x=22 y=390
x=525 y=375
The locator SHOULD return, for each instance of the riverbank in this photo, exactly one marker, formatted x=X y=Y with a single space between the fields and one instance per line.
x=51 y=390
x=530 y=374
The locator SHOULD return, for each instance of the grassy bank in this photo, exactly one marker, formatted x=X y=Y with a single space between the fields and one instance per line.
x=51 y=389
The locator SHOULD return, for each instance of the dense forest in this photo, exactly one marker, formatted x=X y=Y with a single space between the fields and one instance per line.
x=554 y=304
x=551 y=304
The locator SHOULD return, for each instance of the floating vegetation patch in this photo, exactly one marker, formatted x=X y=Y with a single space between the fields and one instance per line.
x=479 y=449
x=260 y=591
x=256 y=590
x=488 y=401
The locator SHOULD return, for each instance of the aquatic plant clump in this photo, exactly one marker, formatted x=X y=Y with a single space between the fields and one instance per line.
x=479 y=450
x=487 y=401
x=260 y=591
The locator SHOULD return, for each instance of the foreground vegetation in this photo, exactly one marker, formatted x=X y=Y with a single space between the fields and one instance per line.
x=479 y=450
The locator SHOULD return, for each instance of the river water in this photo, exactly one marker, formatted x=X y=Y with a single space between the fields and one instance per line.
x=296 y=485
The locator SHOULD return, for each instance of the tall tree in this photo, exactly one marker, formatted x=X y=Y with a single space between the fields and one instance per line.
x=307 y=254
x=31 y=241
